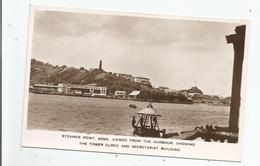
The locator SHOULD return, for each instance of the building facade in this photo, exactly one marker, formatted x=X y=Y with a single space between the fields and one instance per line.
x=84 y=90
x=44 y=88
x=134 y=94
x=71 y=89
x=120 y=94
x=126 y=76
x=142 y=80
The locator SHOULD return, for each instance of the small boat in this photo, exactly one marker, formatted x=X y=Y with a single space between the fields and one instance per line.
x=147 y=125
x=132 y=106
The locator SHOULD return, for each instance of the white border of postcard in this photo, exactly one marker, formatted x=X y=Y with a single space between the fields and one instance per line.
x=129 y=144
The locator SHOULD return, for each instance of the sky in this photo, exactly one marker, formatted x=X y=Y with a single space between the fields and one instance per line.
x=177 y=54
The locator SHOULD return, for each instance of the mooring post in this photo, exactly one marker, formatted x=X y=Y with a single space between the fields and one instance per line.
x=238 y=41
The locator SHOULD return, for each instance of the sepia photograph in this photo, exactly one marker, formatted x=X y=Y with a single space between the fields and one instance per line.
x=140 y=76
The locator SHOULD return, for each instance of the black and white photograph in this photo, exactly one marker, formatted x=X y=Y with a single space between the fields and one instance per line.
x=138 y=76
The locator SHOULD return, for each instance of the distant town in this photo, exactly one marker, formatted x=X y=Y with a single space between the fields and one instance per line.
x=95 y=82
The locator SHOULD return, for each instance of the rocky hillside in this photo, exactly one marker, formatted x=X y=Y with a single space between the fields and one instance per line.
x=194 y=90
x=45 y=73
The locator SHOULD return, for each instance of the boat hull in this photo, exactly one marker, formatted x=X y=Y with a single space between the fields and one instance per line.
x=144 y=132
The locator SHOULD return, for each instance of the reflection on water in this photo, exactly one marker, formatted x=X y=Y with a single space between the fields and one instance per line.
x=113 y=117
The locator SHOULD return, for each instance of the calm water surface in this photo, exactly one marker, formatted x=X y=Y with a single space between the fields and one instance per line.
x=113 y=117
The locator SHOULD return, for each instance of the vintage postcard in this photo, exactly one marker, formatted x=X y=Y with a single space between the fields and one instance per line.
x=135 y=83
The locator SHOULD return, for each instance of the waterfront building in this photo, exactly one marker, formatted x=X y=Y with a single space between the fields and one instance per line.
x=85 y=90
x=120 y=94
x=142 y=80
x=50 y=86
x=61 y=88
x=45 y=88
x=71 y=89
x=134 y=94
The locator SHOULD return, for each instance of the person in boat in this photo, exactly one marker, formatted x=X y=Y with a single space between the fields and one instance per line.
x=142 y=122
x=132 y=105
x=154 y=122
x=133 y=121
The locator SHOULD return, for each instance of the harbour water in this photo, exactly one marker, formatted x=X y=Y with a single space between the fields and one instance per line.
x=113 y=117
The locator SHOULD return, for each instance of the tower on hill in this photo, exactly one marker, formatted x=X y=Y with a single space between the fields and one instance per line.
x=100 y=65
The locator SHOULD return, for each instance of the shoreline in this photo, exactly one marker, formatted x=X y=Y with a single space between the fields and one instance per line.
x=105 y=97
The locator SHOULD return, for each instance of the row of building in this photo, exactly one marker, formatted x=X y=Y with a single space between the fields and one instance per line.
x=70 y=89
x=197 y=96
x=80 y=90
x=98 y=91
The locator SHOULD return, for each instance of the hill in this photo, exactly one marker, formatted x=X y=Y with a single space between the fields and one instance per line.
x=194 y=90
x=45 y=73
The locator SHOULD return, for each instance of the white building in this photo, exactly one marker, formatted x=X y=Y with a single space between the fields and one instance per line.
x=61 y=88
x=134 y=94
x=126 y=76
x=98 y=91
x=85 y=90
x=142 y=80
x=120 y=94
